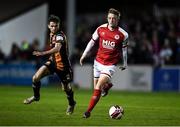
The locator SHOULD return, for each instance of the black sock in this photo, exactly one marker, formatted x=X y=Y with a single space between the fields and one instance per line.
x=36 y=88
x=70 y=97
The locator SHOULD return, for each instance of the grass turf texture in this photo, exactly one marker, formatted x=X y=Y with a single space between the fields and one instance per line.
x=162 y=108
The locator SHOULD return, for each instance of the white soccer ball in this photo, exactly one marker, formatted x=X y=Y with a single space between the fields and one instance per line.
x=116 y=112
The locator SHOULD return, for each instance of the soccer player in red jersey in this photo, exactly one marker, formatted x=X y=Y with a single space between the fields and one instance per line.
x=113 y=41
x=58 y=63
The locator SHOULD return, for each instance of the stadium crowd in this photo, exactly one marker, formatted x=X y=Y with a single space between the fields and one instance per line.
x=22 y=52
x=154 y=39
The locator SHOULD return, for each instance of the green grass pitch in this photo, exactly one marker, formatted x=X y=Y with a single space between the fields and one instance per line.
x=141 y=108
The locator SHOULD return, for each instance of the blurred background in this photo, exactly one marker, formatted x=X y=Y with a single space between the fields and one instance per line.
x=154 y=40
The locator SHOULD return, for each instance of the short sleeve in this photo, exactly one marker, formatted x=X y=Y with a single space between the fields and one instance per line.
x=59 y=38
x=95 y=35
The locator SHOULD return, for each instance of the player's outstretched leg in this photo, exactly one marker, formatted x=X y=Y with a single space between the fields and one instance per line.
x=36 y=89
x=94 y=99
x=70 y=97
x=105 y=89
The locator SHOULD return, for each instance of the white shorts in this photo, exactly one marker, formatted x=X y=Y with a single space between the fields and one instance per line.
x=103 y=69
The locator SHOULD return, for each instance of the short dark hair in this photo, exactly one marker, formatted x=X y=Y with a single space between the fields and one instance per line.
x=114 y=11
x=53 y=18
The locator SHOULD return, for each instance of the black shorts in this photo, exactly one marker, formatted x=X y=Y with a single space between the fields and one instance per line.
x=65 y=75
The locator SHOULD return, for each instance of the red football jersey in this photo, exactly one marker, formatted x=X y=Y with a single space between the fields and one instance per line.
x=110 y=44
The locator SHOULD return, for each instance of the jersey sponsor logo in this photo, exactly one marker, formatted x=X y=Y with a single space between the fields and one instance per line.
x=108 y=44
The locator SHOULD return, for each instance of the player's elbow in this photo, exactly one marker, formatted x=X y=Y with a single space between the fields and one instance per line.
x=57 y=49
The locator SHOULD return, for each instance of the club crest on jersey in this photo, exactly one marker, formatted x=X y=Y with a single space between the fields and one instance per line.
x=116 y=36
x=108 y=44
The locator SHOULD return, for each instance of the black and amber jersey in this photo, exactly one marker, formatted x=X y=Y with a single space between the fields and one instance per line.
x=61 y=58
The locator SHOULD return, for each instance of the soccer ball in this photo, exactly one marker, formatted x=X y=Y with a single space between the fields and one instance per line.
x=116 y=112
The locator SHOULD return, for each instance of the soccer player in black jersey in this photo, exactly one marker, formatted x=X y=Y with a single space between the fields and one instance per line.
x=58 y=63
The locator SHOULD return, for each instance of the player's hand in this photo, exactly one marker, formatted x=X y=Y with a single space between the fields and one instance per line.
x=81 y=60
x=122 y=67
x=37 y=53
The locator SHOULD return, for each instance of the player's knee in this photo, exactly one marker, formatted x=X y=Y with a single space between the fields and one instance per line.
x=35 y=78
x=66 y=87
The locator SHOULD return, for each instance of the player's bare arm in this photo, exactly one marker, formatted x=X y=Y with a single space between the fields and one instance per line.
x=51 y=51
